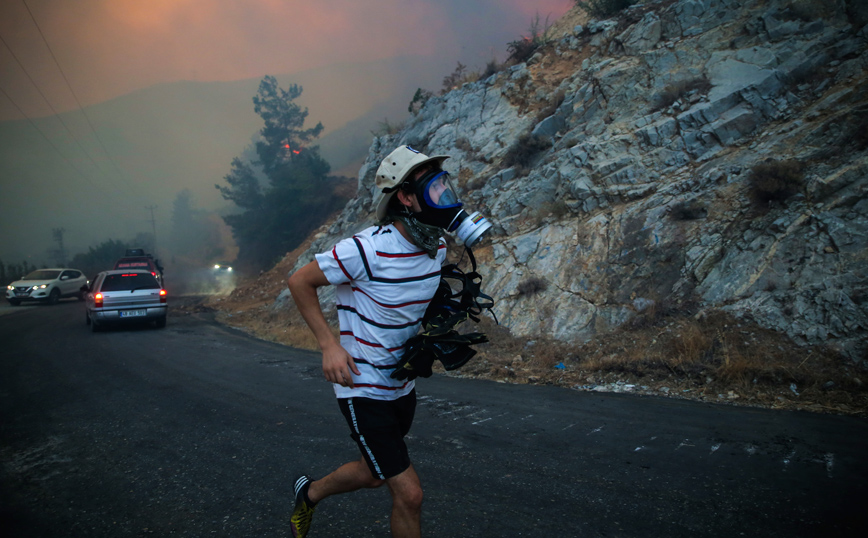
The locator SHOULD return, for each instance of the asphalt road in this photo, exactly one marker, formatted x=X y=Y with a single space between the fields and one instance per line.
x=198 y=430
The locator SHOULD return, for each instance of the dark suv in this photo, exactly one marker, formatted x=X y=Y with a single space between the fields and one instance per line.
x=137 y=259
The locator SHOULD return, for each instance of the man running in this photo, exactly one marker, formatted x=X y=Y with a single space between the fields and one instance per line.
x=385 y=276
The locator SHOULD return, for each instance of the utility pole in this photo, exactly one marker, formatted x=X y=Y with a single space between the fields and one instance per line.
x=57 y=233
x=153 y=227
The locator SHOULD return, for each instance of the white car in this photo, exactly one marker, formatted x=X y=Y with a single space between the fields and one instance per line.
x=47 y=285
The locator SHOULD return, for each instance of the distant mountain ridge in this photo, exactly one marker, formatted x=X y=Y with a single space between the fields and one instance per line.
x=173 y=136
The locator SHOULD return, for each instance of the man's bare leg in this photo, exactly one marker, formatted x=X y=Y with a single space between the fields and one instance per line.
x=406 y=504
x=348 y=477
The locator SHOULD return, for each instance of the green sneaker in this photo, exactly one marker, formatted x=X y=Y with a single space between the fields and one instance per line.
x=303 y=513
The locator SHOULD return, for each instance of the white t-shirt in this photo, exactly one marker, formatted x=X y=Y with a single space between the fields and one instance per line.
x=383 y=286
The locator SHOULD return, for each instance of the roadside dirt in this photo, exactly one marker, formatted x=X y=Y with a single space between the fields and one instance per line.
x=697 y=355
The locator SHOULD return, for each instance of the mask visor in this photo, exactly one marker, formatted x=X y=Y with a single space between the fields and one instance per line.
x=439 y=193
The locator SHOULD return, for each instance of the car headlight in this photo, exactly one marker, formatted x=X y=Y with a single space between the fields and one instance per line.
x=10 y=287
x=228 y=268
x=216 y=267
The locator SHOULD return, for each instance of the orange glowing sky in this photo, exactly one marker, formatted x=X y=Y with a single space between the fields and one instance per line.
x=108 y=48
x=353 y=57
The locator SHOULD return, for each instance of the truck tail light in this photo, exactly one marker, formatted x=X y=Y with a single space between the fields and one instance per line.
x=162 y=296
x=97 y=300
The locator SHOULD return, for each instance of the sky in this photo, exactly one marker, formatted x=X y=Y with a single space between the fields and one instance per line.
x=59 y=55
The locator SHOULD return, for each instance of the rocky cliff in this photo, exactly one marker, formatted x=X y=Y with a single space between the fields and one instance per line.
x=682 y=156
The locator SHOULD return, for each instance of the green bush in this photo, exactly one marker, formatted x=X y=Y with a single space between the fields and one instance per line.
x=419 y=99
x=691 y=210
x=525 y=149
x=522 y=49
x=775 y=181
x=492 y=67
x=603 y=9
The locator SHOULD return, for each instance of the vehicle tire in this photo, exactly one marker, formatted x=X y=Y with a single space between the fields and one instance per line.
x=94 y=327
x=81 y=296
x=54 y=296
x=14 y=302
x=86 y=319
x=160 y=323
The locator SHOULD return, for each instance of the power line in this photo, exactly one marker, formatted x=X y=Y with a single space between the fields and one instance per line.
x=59 y=118
x=69 y=191
x=50 y=143
x=71 y=91
x=69 y=131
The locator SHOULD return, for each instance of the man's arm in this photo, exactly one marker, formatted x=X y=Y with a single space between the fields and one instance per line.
x=336 y=362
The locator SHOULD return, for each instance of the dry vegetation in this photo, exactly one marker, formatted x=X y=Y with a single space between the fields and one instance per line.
x=707 y=357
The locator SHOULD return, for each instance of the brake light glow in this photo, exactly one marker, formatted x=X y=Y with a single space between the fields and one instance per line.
x=97 y=300
x=162 y=296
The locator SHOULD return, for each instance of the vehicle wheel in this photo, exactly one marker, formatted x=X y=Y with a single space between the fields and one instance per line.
x=81 y=296
x=86 y=319
x=160 y=323
x=14 y=302
x=54 y=296
x=94 y=327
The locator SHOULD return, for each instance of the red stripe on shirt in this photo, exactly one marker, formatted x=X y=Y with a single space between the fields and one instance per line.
x=371 y=344
x=335 y=254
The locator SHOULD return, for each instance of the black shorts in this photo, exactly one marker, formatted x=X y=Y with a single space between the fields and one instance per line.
x=379 y=427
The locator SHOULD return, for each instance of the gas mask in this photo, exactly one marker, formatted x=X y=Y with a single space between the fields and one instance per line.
x=441 y=207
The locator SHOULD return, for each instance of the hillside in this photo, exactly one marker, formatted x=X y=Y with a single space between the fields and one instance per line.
x=679 y=202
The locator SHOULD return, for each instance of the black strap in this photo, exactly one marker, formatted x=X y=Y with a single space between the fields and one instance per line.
x=439 y=340
x=450 y=307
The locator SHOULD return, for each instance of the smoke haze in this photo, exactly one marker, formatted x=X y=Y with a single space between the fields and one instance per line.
x=167 y=85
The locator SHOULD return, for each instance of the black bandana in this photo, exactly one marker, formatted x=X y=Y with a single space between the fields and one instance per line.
x=424 y=236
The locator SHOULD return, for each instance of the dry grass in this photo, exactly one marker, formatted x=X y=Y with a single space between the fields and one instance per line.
x=714 y=358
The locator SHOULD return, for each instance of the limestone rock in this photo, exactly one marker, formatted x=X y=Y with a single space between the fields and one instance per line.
x=643 y=190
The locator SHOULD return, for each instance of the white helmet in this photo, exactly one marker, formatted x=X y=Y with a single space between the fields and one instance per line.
x=394 y=170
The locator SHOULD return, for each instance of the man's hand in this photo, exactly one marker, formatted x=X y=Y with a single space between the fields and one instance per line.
x=336 y=362
x=336 y=365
